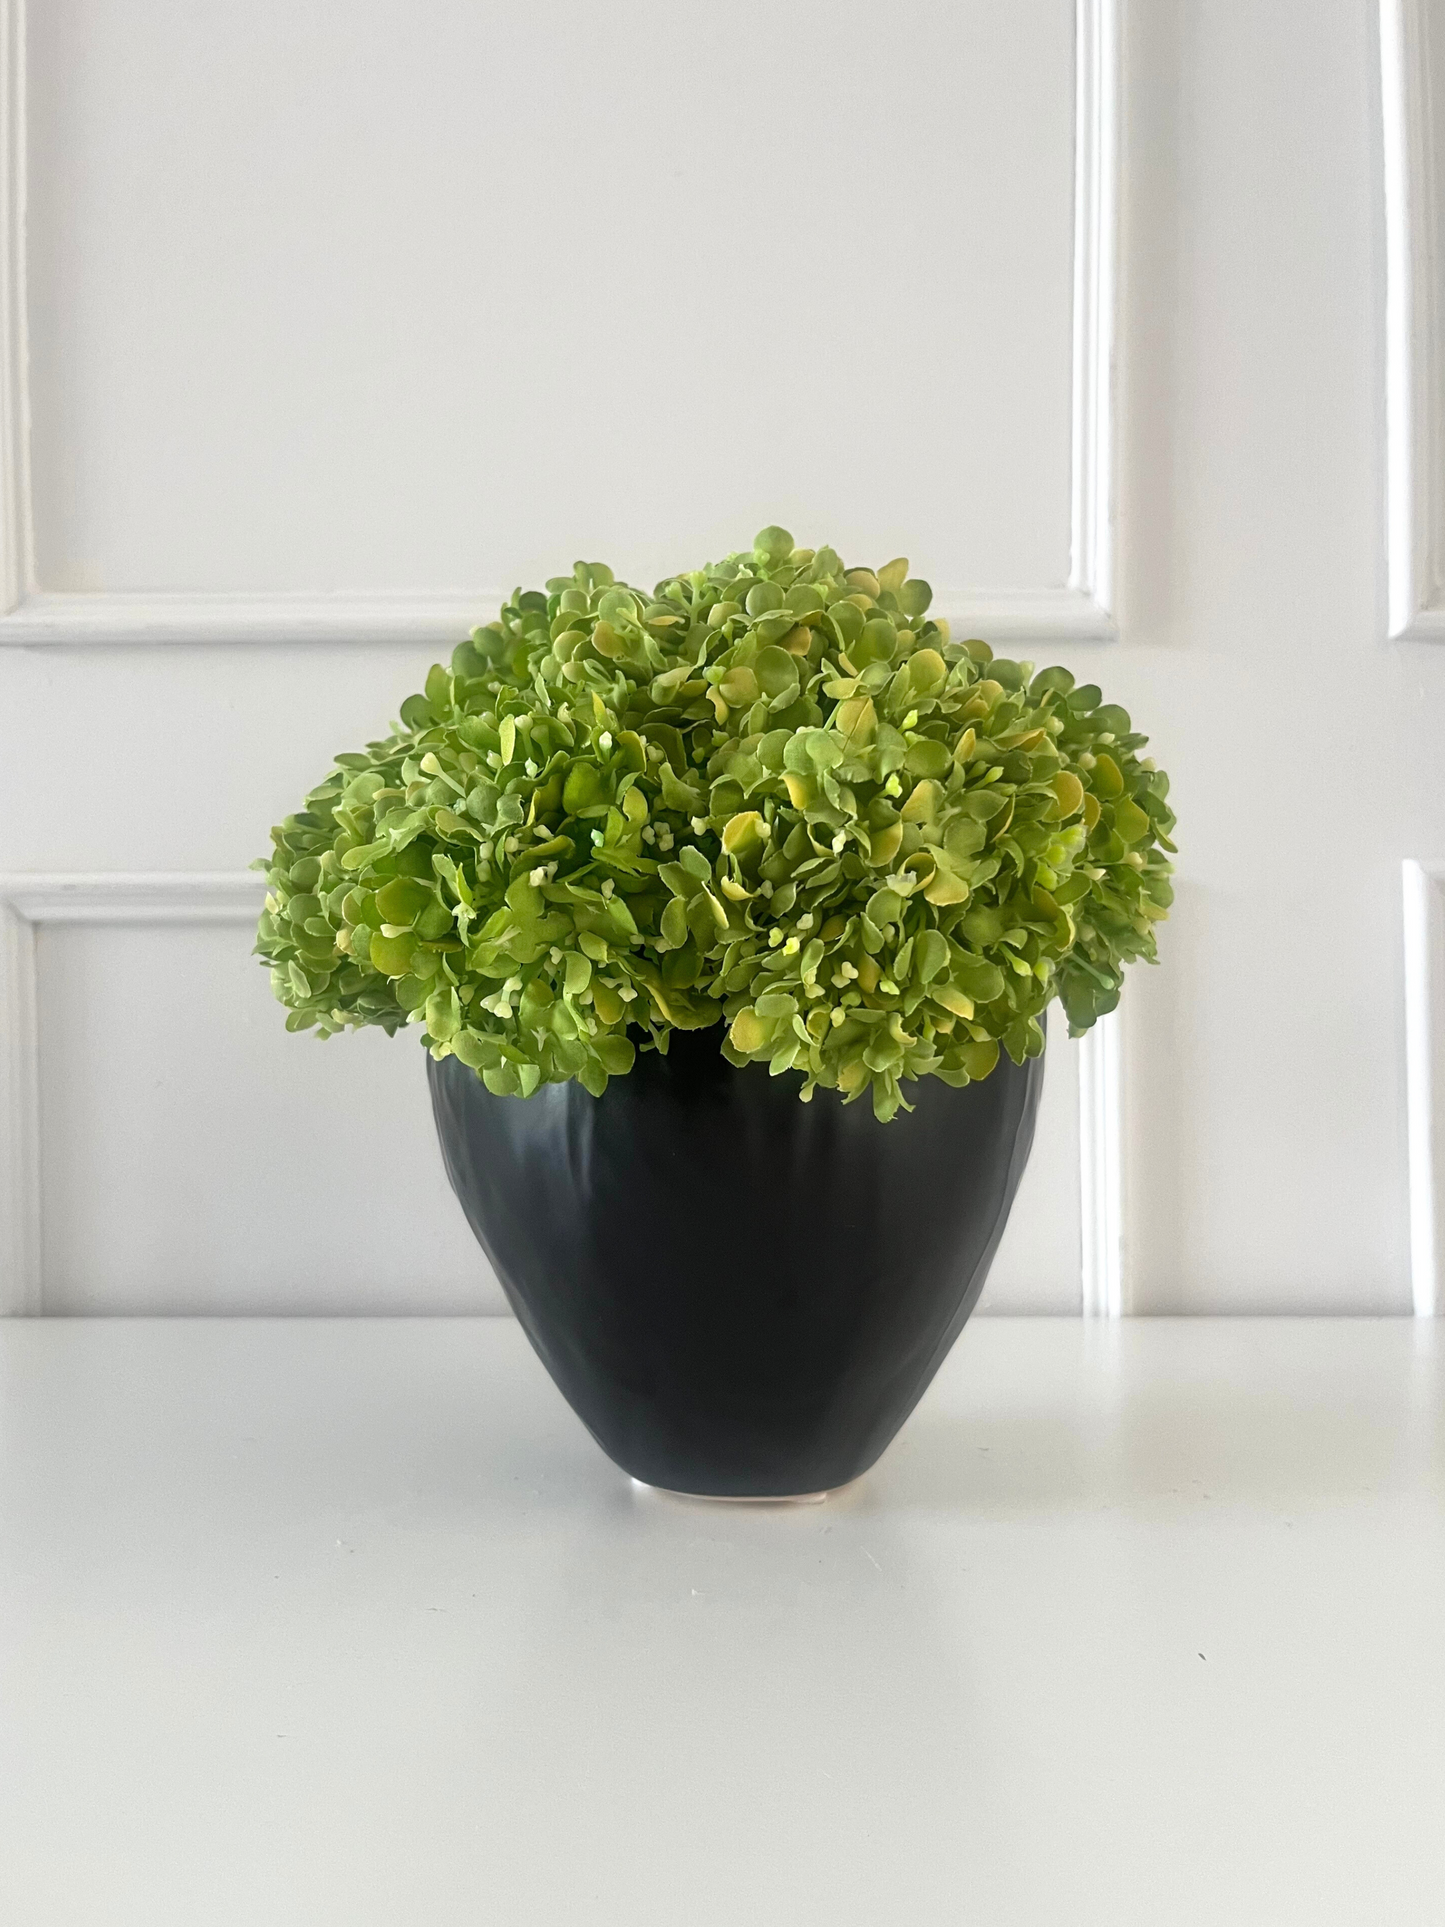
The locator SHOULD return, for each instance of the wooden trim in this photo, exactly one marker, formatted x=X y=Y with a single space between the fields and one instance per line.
x=1101 y=1164
x=1081 y=610
x=26 y=902
x=1096 y=176
x=1056 y=615
x=1424 y=928
x=17 y=549
x=1414 y=390
x=19 y=1118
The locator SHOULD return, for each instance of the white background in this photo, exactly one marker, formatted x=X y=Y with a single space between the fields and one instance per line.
x=389 y=300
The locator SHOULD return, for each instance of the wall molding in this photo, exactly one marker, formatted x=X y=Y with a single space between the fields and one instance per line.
x=1424 y=920
x=1414 y=378
x=17 y=549
x=19 y=1116
x=26 y=904
x=129 y=619
x=1096 y=228
x=1059 y=615
x=1101 y=1169
x=1081 y=610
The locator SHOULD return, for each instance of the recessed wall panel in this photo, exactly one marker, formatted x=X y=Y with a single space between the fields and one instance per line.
x=197 y=1158
x=1037 y=1268
x=431 y=297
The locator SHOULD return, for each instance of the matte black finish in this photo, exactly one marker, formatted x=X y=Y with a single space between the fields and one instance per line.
x=739 y=1295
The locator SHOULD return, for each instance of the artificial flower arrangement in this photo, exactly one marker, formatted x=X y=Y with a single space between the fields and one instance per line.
x=773 y=794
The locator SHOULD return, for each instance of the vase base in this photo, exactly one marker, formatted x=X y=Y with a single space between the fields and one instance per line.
x=740 y=1498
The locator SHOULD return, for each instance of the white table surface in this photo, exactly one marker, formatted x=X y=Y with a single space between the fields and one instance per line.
x=350 y=1622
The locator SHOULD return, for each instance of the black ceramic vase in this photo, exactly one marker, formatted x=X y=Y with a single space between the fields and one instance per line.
x=740 y=1295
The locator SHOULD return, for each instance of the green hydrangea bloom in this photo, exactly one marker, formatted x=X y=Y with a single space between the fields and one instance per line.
x=772 y=794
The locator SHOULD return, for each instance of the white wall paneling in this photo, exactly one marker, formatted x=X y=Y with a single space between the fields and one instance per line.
x=17 y=565
x=1425 y=1072
x=287 y=383
x=26 y=903
x=166 y=1146
x=1036 y=1269
x=151 y=1161
x=320 y=329
x=237 y=328
x=1062 y=1250
x=1412 y=63
x=342 y=318
x=1101 y=1184
x=19 y=1117
x=1096 y=168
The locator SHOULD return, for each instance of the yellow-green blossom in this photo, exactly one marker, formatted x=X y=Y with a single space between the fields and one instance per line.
x=771 y=794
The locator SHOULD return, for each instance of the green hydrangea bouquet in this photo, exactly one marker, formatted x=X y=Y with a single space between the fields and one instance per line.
x=773 y=794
